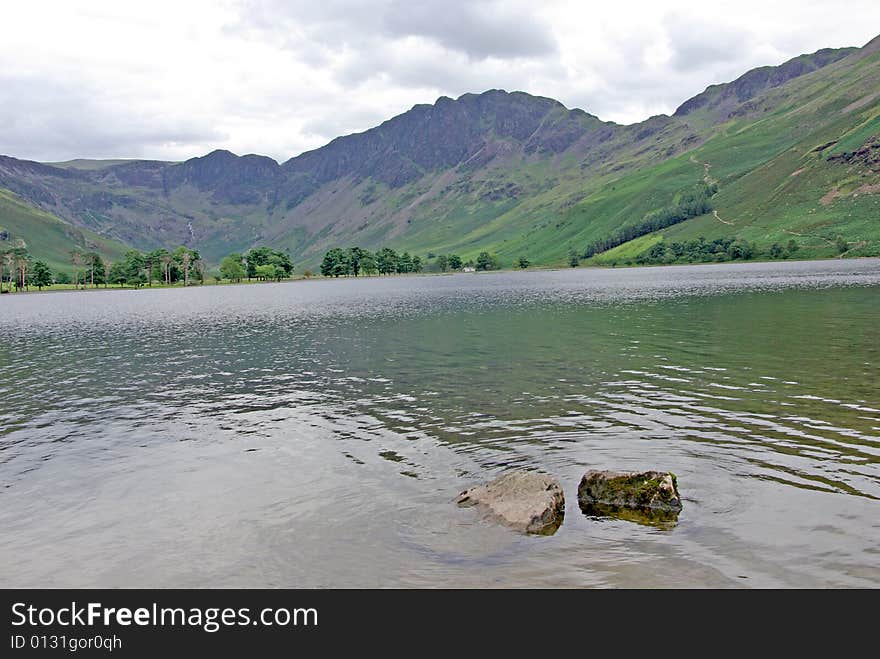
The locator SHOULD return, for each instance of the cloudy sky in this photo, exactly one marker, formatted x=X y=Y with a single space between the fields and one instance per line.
x=173 y=79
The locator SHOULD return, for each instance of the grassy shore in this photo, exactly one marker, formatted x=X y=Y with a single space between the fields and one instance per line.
x=299 y=278
x=124 y=287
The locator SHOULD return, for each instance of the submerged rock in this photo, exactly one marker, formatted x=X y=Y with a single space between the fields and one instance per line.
x=528 y=501
x=648 y=497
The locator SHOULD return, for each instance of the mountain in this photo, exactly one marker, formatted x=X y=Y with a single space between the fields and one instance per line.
x=788 y=152
x=724 y=99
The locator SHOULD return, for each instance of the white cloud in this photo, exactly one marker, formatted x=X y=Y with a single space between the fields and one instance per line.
x=172 y=80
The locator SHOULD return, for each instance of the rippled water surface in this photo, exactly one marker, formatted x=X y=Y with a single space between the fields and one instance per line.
x=316 y=433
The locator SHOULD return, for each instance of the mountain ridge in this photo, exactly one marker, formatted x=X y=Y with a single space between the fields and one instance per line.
x=484 y=170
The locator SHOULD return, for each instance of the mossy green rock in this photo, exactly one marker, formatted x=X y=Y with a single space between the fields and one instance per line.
x=652 y=491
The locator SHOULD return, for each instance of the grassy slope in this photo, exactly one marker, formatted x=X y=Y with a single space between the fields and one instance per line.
x=772 y=181
x=775 y=185
x=542 y=223
x=47 y=238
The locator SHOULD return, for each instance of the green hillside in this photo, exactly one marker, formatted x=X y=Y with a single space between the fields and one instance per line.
x=807 y=171
x=46 y=237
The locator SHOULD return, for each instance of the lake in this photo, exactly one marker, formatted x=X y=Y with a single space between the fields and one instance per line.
x=316 y=433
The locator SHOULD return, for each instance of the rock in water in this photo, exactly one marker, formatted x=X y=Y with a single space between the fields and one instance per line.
x=529 y=501
x=648 y=497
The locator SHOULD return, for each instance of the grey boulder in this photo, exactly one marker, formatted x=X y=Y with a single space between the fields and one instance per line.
x=528 y=501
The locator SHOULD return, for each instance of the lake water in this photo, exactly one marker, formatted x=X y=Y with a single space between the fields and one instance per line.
x=316 y=433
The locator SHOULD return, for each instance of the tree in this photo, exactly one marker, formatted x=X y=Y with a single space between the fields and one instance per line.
x=117 y=274
x=841 y=245
x=90 y=259
x=9 y=260
x=256 y=257
x=180 y=265
x=149 y=263
x=386 y=261
x=107 y=267
x=76 y=257
x=404 y=263
x=264 y=272
x=335 y=263
x=3 y=255
x=523 y=262
x=328 y=263
x=657 y=252
x=443 y=262
x=166 y=259
x=454 y=262
x=95 y=265
x=133 y=266
x=267 y=256
x=153 y=264
x=368 y=264
x=231 y=268
x=186 y=259
x=62 y=277
x=573 y=259
x=487 y=261
x=776 y=251
x=282 y=260
x=741 y=249
x=357 y=256
x=416 y=264
x=41 y=275
x=792 y=247
x=22 y=262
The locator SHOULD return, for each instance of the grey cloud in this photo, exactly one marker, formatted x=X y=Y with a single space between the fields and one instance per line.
x=697 y=45
x=478 y=29
x=54 y=120
x=451 y=75
x=634 y=85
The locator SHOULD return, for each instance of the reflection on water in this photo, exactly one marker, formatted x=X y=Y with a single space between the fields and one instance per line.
x=316 y=433
x=662 y=519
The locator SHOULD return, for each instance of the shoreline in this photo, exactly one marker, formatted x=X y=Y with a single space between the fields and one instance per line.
x=68 y=288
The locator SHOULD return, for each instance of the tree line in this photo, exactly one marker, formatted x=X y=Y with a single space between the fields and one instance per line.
x=718 y=250
x=700 y=251
x=262 y=263
x=485 y=261
x=138 y=268
x=691 y=204
x=357 y=261
x=20 y=271
x=185 y=266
